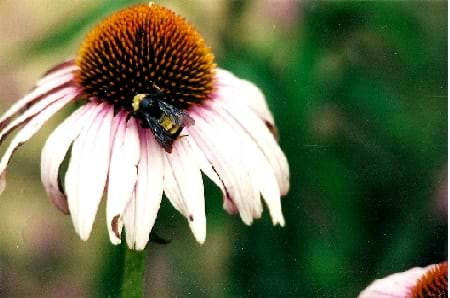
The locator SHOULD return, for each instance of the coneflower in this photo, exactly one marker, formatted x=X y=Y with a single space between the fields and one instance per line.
x=431 y=281
x=155 y=113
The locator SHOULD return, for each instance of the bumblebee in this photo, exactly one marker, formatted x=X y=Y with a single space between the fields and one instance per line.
x=165 y=120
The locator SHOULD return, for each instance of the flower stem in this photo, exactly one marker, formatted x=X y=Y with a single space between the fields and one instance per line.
x=133 y=275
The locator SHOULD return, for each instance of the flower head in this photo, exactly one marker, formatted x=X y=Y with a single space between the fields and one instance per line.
x=431 y=281
x=156 y=113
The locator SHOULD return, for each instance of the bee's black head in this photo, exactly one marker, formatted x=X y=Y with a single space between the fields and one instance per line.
x=148 y=104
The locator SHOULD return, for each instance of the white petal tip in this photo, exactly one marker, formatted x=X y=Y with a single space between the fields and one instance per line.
x=84 y=231
x=278 y=220
x=115 y=230
x=199 y=235
x=200 y=239
x=284 y=189
x=198 y=228
x=139 y=247
x=114 y=240
x=247 y=220
x=281 y=222
x=84 y=236
x=60 y=202
x=2 y=181
x=139 y=242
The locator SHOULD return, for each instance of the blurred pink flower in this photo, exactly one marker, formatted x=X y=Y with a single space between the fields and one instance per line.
x=431 y=281
x=440 y=206
x=283 y=12
x=154 y=117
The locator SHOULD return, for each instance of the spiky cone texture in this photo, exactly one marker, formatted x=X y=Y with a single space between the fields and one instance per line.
x=228 y=136
x=418 y=282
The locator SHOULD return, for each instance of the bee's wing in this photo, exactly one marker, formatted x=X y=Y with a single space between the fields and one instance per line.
x=178 y=117
x=162 y=136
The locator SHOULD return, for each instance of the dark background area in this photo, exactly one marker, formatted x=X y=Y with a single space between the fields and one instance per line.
x=359 y=94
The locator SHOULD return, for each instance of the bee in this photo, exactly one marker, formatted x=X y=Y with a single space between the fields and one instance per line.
x=164 y=119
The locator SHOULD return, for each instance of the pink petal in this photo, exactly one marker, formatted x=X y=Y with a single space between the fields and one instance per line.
x=184 y=187
x=86 y=176
x=254 y=160
x=243 y=91
x=118 y=128
x=209 y=171
x=261 y=136
x=122 y=173
x=56 y=147
x=36 y=94
x=140 y=215
x=67 y=63
x=59 y=71
x=222 y=151
x=37 y=108
x=129 y=220
x=398 y=285
x=27 y=132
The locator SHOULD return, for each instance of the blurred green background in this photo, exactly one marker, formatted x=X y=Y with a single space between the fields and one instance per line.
x=359 y=94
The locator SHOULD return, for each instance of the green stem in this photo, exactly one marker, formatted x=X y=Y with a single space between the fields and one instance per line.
x=133 y=275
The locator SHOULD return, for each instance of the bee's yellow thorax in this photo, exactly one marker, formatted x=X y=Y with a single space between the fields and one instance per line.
x=137 y=100
x=168 y=124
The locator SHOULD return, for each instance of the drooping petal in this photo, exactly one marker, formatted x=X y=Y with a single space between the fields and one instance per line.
x=129 y=220
x=253 y=159
x=261 y=136
x=122 y=173
x=398 y=285
x=224 y=155
x=55 y=149
x=183 y=186
x=67 y=67
x=27 y=132
x=140 y=215
x=34 y=96
x=36 y=109
x=209 y=171
x=86 y=176
x=244 y=92
x=66 y=63
x=117 y=132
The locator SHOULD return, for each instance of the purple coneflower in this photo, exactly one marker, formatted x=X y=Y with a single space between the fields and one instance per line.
x=431 y=281
x=155 y=113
